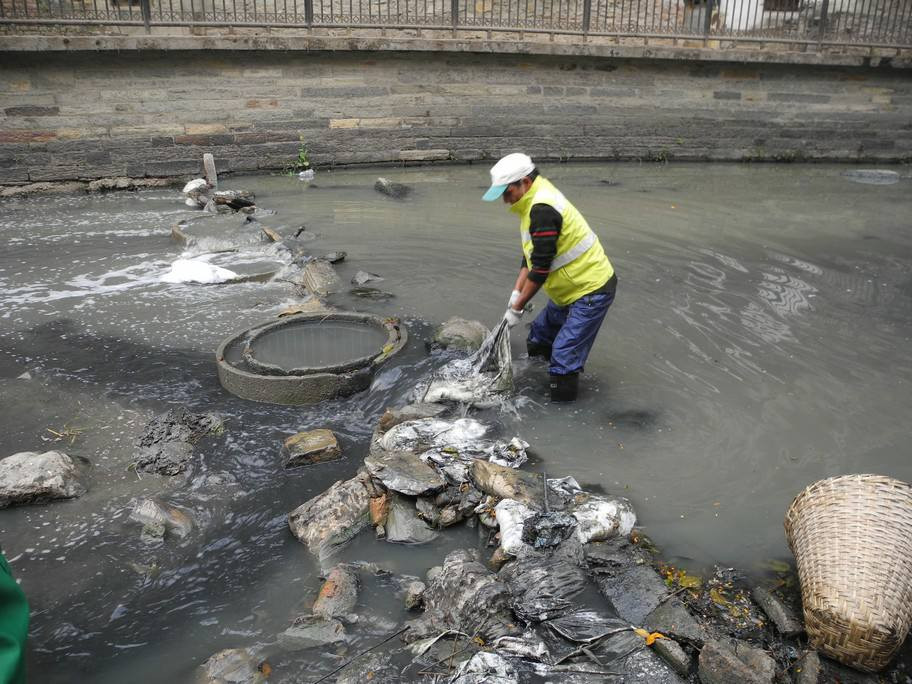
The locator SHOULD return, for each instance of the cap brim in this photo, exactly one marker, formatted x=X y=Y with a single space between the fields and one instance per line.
x=494 y=192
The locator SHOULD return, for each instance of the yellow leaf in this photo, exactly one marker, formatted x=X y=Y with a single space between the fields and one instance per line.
x=718 y=597
x=690 y=582
x=650 y=640
x=265 y=668
x=641 y=632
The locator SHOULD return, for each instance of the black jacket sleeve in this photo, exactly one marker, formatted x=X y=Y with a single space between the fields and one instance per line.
x=544 y=227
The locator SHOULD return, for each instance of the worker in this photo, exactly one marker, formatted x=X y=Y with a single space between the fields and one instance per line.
x=14 y=619
x=562 y=256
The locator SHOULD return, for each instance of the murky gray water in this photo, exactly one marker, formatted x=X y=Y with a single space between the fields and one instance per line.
x=317 y=344
x=760 y=340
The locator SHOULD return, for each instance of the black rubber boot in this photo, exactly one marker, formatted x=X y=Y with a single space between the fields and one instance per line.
x=564 y=387
x=537 y=349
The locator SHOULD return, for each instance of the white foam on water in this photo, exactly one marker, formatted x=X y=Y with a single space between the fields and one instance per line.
x=197 y=271
x=85 y=285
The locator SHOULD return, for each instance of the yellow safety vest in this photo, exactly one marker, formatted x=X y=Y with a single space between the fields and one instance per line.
x=580 y=265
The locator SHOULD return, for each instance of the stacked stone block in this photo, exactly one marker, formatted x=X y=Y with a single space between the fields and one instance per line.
x=151 y=113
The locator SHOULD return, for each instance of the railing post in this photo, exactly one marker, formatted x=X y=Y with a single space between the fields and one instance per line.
x=454 y=14
x=587 y=12
x=707 y=19
x=309 y=12
x=821 y=29
x=145 y=6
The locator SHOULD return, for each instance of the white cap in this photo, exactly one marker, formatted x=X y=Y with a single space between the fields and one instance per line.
x=508 y=170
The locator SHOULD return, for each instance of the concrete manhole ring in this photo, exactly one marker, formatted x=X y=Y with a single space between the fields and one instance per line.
x=256 y=364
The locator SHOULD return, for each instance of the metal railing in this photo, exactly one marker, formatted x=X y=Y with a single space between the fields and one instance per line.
x=874 y=23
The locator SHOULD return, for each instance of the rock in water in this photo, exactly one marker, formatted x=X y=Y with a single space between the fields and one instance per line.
x=310 y=631
x=507 y=483
x=271 y=234
x=404 y=472
x=339 y=593
x=166 y=445
x=414 y=595
x=392 y=417
x=362 y=277
x=371 y=668
x=235 y=199
x=307 y=448
x=370 y=293
x=391 y=189
x=782 y=616
x=233 y=666
x=334 y=517
x=319 y=278
x=335 y=257
x=735 y=663
x=379 y=509
x=403 y=526
x=149 y=512
x=458 y=333
x=31 y=477
x=196 y=188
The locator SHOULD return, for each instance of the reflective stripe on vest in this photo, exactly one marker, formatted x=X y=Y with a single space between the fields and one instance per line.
x=571 y=254
x=574 y=252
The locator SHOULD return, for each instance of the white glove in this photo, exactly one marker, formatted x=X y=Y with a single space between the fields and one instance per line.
x=512 y=317
x=513 y=297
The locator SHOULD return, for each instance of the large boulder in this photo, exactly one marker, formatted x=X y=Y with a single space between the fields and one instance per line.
x=32 y=477
x=458 y=333
x=403 y=526
x=334 y=517
x=339 y=593
x=626 y=578
x=404 y=472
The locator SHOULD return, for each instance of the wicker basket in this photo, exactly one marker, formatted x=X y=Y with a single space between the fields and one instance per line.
x=852 y=538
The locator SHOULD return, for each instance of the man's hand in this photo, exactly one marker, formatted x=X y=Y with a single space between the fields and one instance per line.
x=512 y=317
x=513 y=297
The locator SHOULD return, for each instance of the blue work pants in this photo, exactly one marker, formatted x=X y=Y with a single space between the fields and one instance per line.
x=570 y=330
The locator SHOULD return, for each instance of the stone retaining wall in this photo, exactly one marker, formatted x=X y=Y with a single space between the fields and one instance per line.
x=152 y=113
